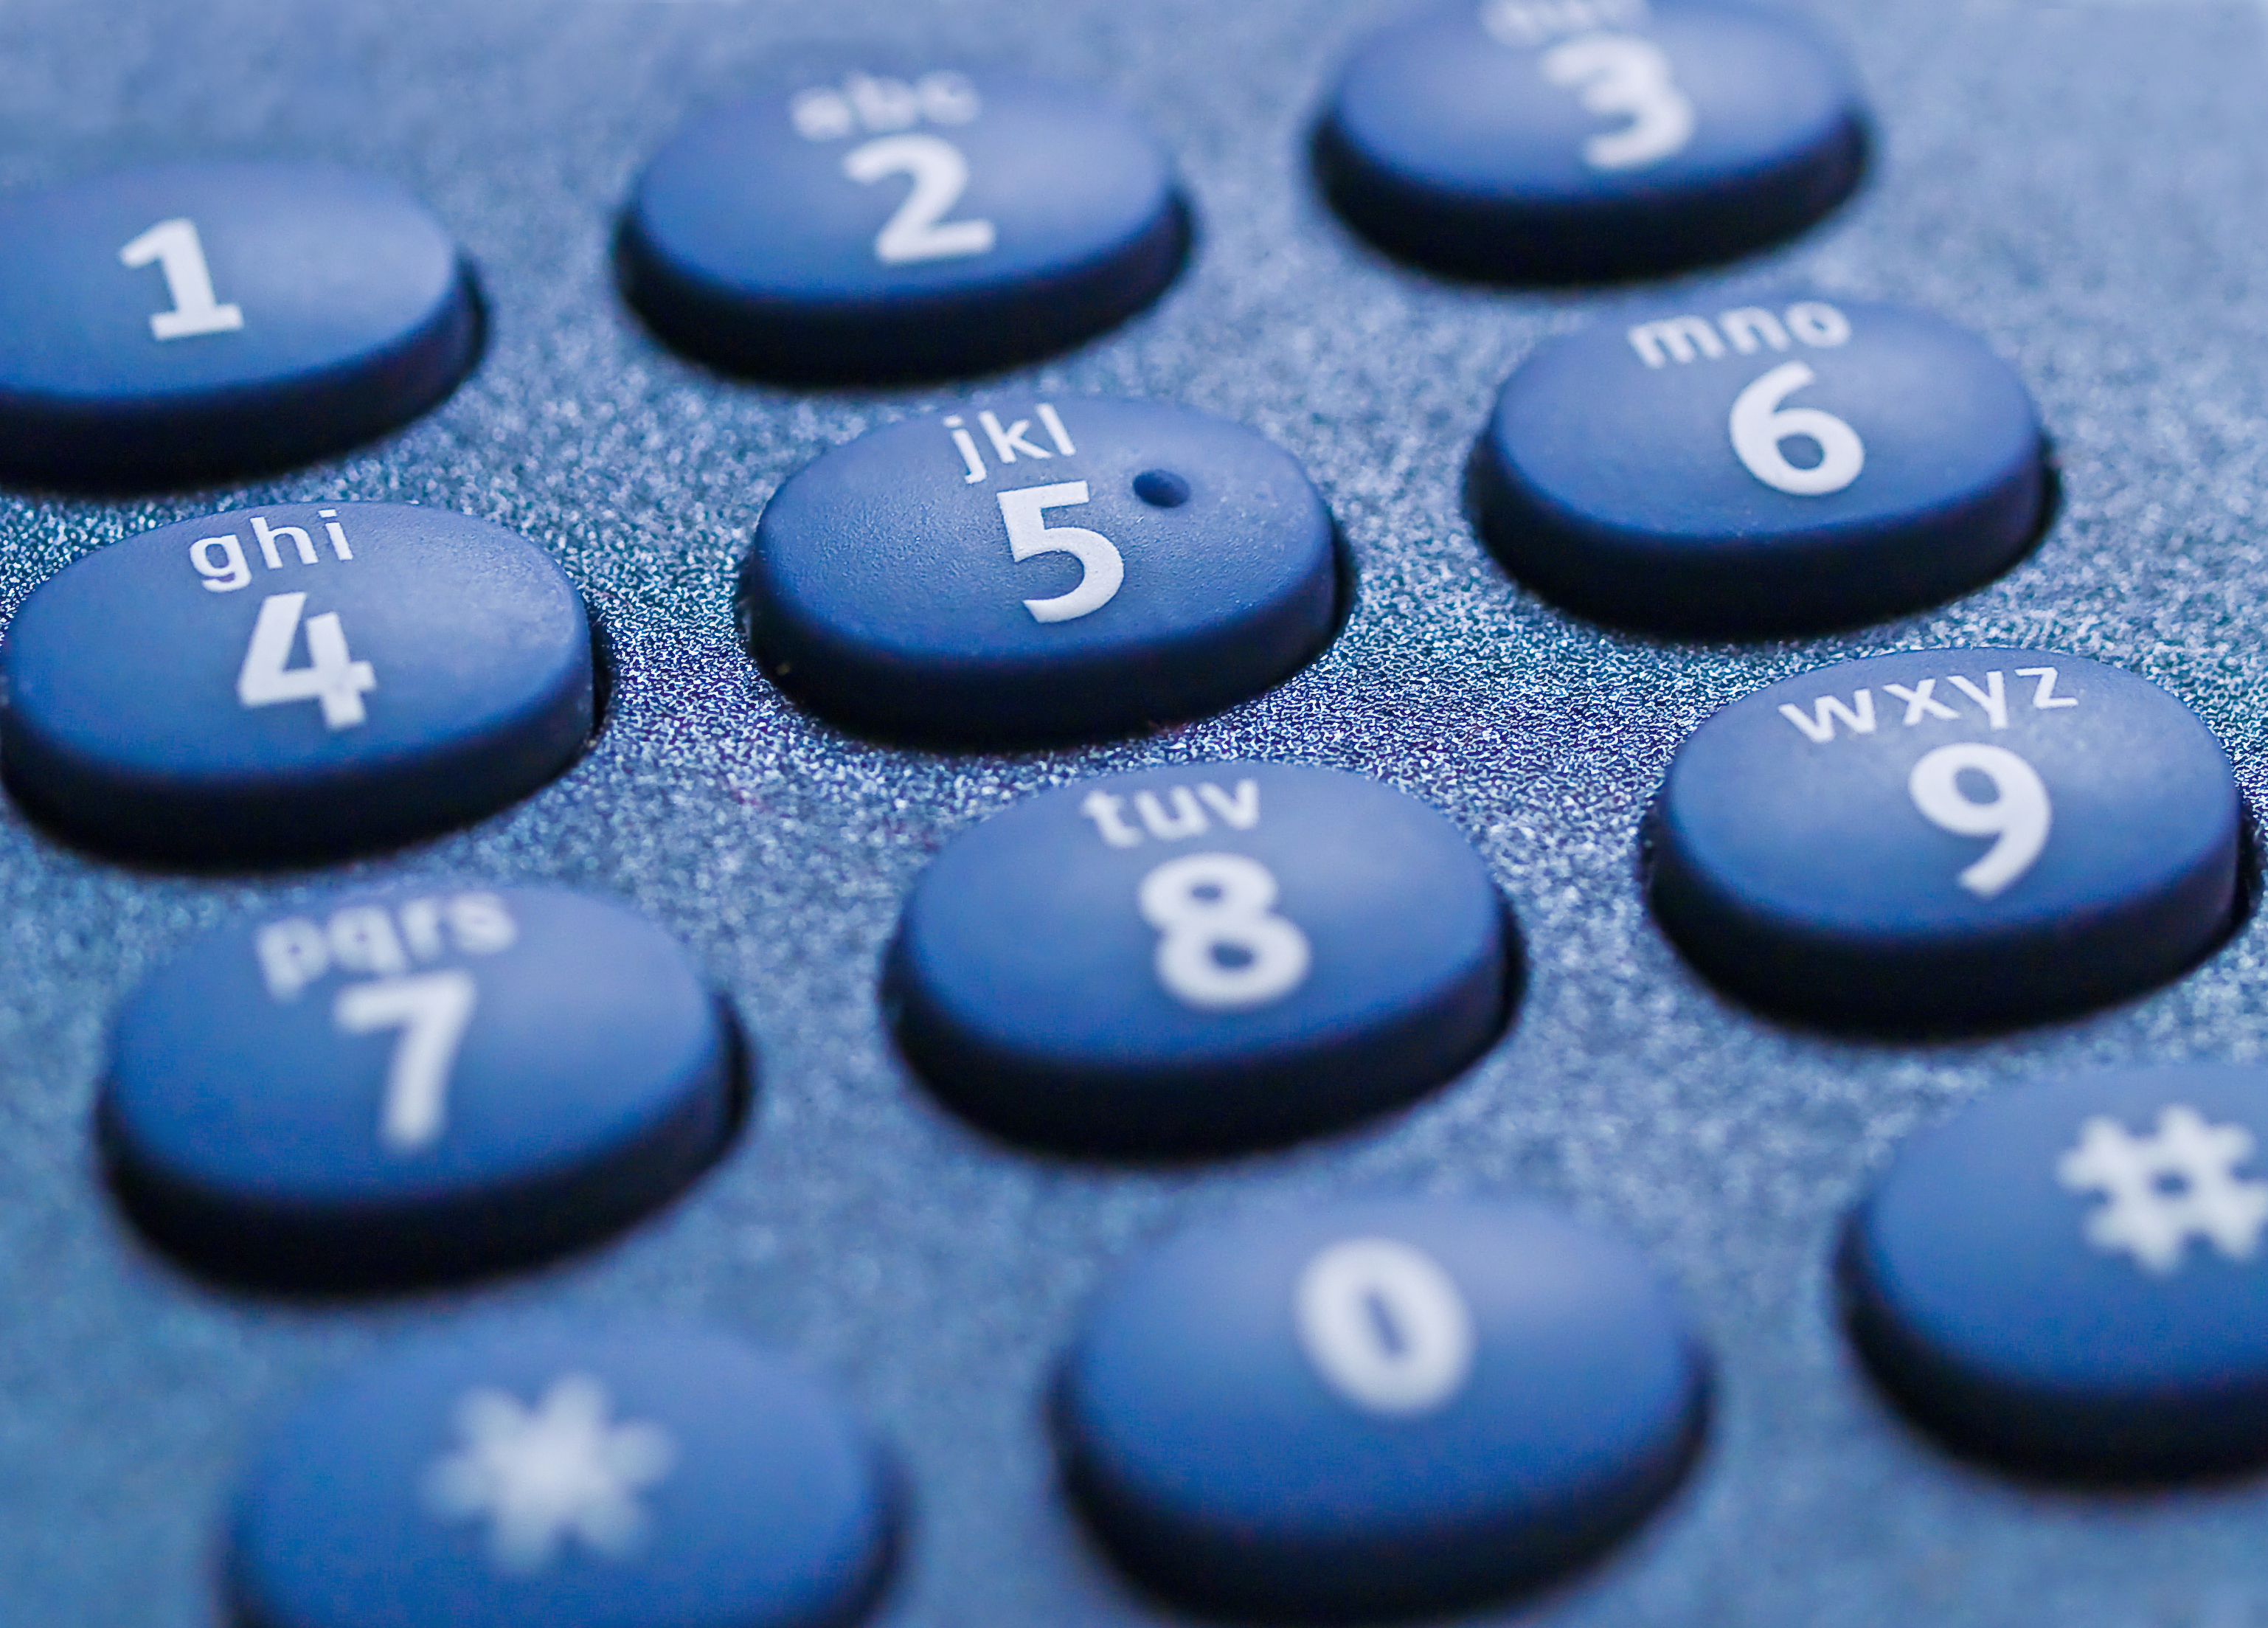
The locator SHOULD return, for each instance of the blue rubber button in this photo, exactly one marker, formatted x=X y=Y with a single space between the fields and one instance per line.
x=2071 y=1275
x=1208 y=956
x=1544 y=140
x=845 y=223
x=293 y=682
x=1377 y=1407
x=1768 y=468
x=554 y=1477
x=190 y=320
x=1948 y=837
x=414 y=1085
x=1041 y=569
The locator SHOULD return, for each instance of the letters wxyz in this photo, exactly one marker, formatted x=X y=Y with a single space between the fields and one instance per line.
x=1922 y=700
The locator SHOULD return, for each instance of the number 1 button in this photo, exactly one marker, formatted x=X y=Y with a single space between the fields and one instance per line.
x=190 y=320
x=849 y=222
x=1207 y=957
x=293 y=683
x=1947 y=838
x=414 y=1084
x=1040 y=569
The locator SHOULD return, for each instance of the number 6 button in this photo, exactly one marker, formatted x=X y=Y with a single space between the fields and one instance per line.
x=849 y=224
x=1765 y=468
x=414 y=1084
x=192 y=319
x=1040 y=569
x=1212 y=956
x=1948 y=838
x=1377 y=1408
x=294 y=682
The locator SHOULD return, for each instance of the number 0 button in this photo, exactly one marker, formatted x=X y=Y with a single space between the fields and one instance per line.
x=1768 y=468
x=294 y=682
x=1205 y=957
x=1041 y=569
x=566 y=1477
x=1948 y=838
x=414 y=1085
x=1538 y=140
x=848 y=224
x=1377 y=1408
x=195 y=319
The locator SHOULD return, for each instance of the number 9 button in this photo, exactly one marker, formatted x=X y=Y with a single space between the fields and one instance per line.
x=413 y=1085
x=1768 y=468
x=294 y=682
x=1378 y=1407
x=1948 y=838
x=1209 y=956
x=844 y=223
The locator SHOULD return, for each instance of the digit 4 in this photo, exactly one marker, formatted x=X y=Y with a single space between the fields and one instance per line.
x=332 y=676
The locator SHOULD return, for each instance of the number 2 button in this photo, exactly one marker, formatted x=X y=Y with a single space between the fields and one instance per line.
x=851 y=223
x=1217 y=955
x=1770 y=467
x=293 y=683
x=413 y=1085
x=1039 y=570
x=1948 y=838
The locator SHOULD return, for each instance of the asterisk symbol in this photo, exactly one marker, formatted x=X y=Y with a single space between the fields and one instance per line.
x=541 y=1475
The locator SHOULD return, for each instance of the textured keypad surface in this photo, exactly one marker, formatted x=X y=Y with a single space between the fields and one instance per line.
x=2076 y=183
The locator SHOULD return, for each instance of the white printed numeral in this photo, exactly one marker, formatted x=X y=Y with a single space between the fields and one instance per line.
x=175 y=246
x=919 y=231
x=1760 y=424
x=1222 y=948
x=2018 y=813
x=431 y=1010
x=332 y=675
x=1625 y=73
x=1029 y=535
x=1385 y=1326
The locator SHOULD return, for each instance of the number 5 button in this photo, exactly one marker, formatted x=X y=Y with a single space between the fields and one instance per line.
x=1948 y=838
x=847 y=222
x=1040 y=569
x=1794 y=464
x=294 y=682
x=1212 y=956
x=414 y=1084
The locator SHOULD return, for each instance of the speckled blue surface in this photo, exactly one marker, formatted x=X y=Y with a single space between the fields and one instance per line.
x=2079 y=183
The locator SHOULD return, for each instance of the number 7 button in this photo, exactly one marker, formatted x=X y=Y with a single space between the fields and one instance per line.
x=1948 y=838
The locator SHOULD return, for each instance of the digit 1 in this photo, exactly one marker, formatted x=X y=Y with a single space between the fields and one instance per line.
x=175 y=246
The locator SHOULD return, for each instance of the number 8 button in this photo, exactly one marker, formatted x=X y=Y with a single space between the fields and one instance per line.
x=1213 y=956
x=1948 y=838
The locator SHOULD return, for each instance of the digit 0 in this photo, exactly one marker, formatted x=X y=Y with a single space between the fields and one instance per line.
x=1384 y=1326
x=2018 y=813
x=1223 y=948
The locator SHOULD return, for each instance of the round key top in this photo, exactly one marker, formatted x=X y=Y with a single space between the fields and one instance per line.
x=1768 y=468
x=292 y=681
x=844 y=223
x=1538 y=141
x=2071 y=1275
x=568 y=1477
x=1040 y=569
x=1208 y=956
x=414 y=1085
x=190 y=320
x=1948 y=837
x=1375 y=1408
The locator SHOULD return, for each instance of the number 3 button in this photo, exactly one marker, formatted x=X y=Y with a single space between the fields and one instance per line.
x=1040 y=572
x=1219 y=955
x=846 y=224
x=1766 y=468
x=414 y=1084
x=1948 y=838
x=293 y=683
